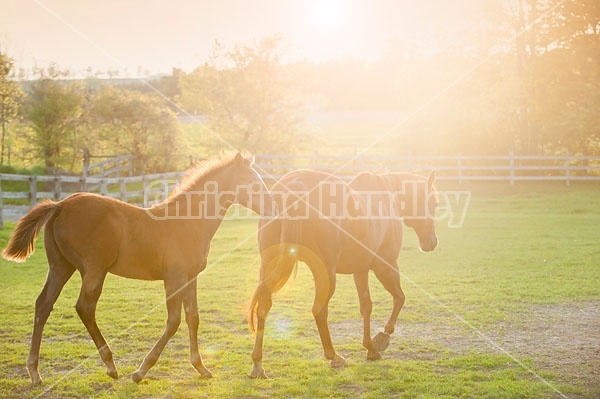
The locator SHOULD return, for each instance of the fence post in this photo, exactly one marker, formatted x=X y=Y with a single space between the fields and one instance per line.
x=103 y=187
x=57 y=188
x=145 y=195
x=361 y=164
x=567 y=170
x=123 y=190
x=459 y=166
x=32 y=190
x=83 y=184
x=512 y=168
x=86 y=161
x=1 y=216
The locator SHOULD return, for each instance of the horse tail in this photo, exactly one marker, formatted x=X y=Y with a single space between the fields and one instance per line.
x=291 y=226
x=283 y=258
x=274 y=275
x=21 y=243
x=296 y=209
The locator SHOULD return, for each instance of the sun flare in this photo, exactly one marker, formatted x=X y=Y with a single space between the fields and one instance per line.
x=331 y=28
x=329 y=15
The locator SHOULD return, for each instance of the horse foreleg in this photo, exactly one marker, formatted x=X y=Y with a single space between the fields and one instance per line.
x=361 y=280
x=390 y=279
x=91 y=288
x=263 y=306
x=190 y=306
x=174 y=294
x=58 y=275
x=324 y=289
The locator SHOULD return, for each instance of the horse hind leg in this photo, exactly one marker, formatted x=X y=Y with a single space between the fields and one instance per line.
x=263 y=306
x=275 y=271
x=59 y=273
x=91 y=288
x=324 y=289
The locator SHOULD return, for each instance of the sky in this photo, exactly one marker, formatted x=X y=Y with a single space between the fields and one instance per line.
x=139 y=37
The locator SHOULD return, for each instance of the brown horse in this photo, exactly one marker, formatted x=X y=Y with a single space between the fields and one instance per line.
x=169 y=241
x=335 y=227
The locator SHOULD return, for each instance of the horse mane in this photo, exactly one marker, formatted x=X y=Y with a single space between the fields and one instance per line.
x=204 y=170
x=412 y=176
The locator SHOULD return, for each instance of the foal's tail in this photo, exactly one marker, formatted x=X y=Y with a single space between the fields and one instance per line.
x=21 y=243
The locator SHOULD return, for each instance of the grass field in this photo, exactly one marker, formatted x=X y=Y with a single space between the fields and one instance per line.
x=508 y=306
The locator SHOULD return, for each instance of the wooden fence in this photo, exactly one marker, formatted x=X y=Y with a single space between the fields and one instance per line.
x=20 y=192
x=460 y=168
x=112 y=167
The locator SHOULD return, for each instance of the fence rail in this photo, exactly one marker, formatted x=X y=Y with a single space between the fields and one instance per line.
x=112 y=167
x=460 y=168
x=21 y=191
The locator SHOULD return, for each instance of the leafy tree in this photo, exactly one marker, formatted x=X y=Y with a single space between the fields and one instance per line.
x=131 y=122
x=558 y=57
x=10 y=97
x=54 y=111
x=246 y=96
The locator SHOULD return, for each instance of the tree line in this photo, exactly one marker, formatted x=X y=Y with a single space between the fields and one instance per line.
x=525 y=79
x=53 y=120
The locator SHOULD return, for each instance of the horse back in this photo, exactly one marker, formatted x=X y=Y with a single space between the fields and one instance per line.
x=96 y=232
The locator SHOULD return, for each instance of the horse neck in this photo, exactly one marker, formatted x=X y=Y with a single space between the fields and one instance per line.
x=204 y=204
x=403 y=185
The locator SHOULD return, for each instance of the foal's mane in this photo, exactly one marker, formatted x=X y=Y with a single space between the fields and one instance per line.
x=203 y=171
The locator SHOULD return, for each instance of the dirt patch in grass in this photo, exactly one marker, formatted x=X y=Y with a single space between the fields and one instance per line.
x=563 y=339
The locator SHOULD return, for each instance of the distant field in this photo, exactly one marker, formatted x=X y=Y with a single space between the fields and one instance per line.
x=330 y=133
x=508 y=306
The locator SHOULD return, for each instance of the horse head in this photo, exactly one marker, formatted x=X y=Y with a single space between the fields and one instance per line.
x=419 y=202
x=250 y=189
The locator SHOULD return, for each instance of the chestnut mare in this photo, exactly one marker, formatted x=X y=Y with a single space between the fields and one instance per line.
x=340 y=228
x=170 y=241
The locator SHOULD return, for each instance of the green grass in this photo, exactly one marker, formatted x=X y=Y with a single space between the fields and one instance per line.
x=522 y=249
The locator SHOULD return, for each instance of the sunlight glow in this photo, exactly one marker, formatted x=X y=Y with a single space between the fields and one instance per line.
x=329 y=14
x=329 y=29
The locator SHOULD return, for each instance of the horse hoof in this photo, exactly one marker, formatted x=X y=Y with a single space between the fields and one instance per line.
x=381 y=341
x=261 y=375
x=113 y=374
x=137 y=377
x=205 y=373
x=36 y=381
x=258 y=372
x=373 y=355
x=338 y=362
x=35 y=376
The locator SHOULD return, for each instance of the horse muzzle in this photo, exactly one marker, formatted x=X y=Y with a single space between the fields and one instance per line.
x=428 y=245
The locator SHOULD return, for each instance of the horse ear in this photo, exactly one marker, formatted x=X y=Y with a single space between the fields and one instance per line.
x=239 y=159
x=431 y=179
x=242 y=158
